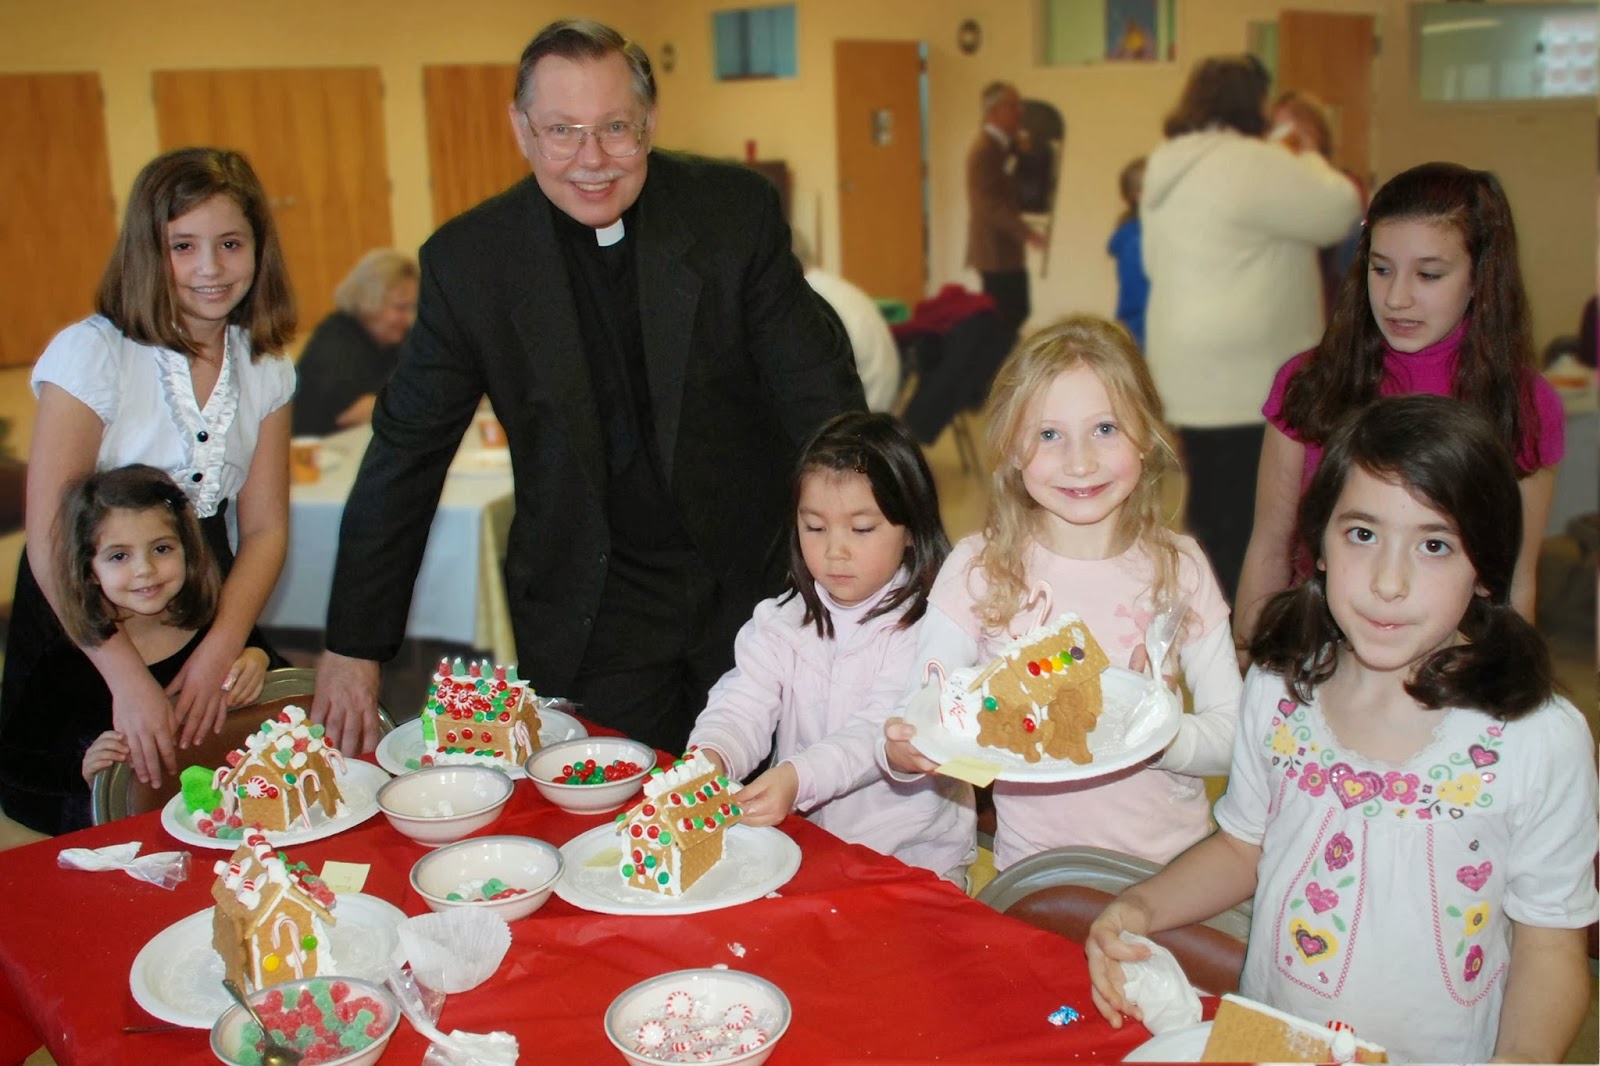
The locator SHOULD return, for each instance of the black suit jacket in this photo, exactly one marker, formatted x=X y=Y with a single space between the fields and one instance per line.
x=743 y=363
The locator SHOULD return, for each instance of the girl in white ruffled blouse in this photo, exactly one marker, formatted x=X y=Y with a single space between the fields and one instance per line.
x=182 y=368
x=1411 y=806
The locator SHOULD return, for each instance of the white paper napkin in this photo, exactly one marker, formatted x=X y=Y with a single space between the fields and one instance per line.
x=164 y=868
x=1159 y=988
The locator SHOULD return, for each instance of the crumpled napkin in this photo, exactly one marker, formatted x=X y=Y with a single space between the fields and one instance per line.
x=1159 y=988
x=167 y=869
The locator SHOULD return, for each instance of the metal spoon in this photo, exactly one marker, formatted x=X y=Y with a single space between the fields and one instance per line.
x=272 y=1052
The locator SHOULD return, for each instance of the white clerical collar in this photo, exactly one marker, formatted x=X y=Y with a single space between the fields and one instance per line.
x=998 y=134
x=606 y=236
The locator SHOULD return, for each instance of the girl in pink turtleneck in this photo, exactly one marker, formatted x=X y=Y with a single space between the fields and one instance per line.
x=1433 y=303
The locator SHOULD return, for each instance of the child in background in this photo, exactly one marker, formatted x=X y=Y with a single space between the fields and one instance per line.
x=130 y=559
x=1433 y=303
x=1133 y=288
x=1411 y=806
x=819 y=668
x=1079 y=453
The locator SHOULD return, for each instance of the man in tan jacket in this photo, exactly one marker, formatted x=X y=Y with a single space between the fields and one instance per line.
x=996 y=232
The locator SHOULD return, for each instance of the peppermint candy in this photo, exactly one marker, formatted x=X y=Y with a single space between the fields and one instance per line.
x=738 y=1016
x=680 y=1004
x=651 y=1035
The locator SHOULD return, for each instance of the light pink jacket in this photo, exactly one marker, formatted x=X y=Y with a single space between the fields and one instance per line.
x=826 y=700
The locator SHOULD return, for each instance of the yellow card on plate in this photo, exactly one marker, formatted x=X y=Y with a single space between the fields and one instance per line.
x=973 y=771
x=345 y=876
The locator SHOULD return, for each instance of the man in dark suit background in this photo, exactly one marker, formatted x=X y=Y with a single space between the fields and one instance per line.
x=996 y=231
x=656 y=357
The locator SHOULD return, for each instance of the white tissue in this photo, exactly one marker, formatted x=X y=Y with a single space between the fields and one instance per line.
x=1159 y=988
x=165 y=869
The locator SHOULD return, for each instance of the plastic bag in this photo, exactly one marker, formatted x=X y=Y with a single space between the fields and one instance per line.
x=164 y=869
x=1159 y=702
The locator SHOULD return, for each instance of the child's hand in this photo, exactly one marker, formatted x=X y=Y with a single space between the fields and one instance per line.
x=244 y=681
x=902 y=756
x=769 y=798
x=108 y=748
x=716 y=759
x=1107 y=952
x=1139 y=663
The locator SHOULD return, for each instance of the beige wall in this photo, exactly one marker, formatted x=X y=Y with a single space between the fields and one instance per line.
x=1545 y=152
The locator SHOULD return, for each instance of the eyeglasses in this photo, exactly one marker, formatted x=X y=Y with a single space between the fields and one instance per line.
x=561 y=141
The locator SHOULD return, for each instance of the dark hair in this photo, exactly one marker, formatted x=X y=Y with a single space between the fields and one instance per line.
x=1449 y=458
x=136 y=289
x=1496 y=368
x=86 y=615
x=583 y=39
x=881 y=449
x=1129 y=183
x=1222 y=90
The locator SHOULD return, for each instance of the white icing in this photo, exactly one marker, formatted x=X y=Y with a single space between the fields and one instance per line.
x=1344 y=1046
x=694 y=765
x=960 y=703
x=1300 y=1025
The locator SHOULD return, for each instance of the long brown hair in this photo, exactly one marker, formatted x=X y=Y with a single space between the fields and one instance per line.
x=1495 y=371
x=136 y=289
x=87 y=616
x=1014 y=517
x=1226 y=91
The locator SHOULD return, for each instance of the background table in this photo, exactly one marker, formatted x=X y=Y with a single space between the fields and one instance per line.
x=882 y=963
x=460 y=591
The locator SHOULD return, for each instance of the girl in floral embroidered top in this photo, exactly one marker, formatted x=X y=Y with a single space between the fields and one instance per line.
x=1410 y=805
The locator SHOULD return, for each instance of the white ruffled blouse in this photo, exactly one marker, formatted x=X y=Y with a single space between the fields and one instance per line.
x=145 y=397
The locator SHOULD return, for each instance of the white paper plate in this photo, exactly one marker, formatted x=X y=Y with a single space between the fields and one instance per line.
x=399 y=750
x=177 y=976
x=1122 y=689
x=754 y=862
x=1184 y=1044
x=358 y=786
x=487 y=462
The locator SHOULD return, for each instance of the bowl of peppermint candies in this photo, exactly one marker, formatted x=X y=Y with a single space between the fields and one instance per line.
x=711 y=1015
x=334 y=1021
x=506 y=875
x=588 y=775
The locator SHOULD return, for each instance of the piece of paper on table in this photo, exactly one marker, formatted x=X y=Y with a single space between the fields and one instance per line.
x=1159 y=988
x=974 y=772
x=345 y=876
x=165 y=869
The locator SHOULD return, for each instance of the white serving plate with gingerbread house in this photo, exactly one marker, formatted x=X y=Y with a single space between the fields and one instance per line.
x=401 y=750
x=358 y=788
x=755 y=861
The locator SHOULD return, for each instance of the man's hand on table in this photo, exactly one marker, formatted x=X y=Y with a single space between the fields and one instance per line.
x=346 y=702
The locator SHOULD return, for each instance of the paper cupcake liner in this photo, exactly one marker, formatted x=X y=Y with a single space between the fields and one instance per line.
x=455 y=950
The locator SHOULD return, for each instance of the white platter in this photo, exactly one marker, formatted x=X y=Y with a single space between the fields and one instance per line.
x=358 y=786
x=754 y=862
x=399 y=750
x=177 y=976
x=1123 y=691
x=1184 y=1044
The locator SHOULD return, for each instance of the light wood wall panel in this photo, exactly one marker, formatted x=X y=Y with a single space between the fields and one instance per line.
x=472 y=153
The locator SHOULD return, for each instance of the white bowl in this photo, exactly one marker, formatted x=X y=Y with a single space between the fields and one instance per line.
x=544 y=766
x=519 y=862
x=227 y=1034
x=712 y=993
x=417 y=803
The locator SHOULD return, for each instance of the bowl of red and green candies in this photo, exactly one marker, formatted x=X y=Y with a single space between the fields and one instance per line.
x=332 y=1021
x=510 y=876
x=589 y=775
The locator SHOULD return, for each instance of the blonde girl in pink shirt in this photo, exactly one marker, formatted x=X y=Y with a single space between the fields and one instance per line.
x=1080 y=455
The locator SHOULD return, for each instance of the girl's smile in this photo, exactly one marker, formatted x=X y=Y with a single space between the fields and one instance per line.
x=212 y=251
x=139 y=561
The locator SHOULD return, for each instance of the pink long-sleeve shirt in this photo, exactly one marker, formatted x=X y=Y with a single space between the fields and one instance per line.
x=820 y=704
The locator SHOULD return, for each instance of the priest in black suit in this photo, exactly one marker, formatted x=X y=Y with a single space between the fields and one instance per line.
x=652 y=348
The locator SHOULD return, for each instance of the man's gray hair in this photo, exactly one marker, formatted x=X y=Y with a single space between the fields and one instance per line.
x=995 y=92
x=583 y=39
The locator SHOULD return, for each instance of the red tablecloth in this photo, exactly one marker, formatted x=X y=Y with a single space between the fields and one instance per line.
x=882 y=963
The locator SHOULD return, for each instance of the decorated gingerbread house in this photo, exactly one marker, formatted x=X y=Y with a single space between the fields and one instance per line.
x=480 y=716
x=272 y=917
x=1041 y=697
x=1247 y=1031
x=674 y=835
x=283 y=773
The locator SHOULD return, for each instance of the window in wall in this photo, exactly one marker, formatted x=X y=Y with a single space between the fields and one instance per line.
x=1096 y=31
x=754 y=42
x=1507 y=51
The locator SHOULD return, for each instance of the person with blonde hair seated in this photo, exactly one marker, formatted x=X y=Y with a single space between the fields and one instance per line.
x=353 y=350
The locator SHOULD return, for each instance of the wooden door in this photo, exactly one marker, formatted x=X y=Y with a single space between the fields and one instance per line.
x=315 y=137
x=58 y=215
x=472 y=153
x=882 y=227
x=1331 y=56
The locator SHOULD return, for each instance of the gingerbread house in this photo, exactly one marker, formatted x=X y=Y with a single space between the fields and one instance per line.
x=1042 y=696
x=272 y=917
x=674 y=835
x=479 y=715
x=283 y=773
x=1247 y=1031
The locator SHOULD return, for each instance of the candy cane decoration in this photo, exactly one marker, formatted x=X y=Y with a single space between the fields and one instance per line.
x=957 y=710
x=519 y=735
x=308 y=777
x=1041 y=594
x=293 y=956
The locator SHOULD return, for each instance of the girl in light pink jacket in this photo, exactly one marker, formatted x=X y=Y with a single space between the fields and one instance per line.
x=819 y=668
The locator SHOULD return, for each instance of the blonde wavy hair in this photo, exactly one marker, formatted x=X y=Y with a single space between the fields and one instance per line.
x=1014 y=519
